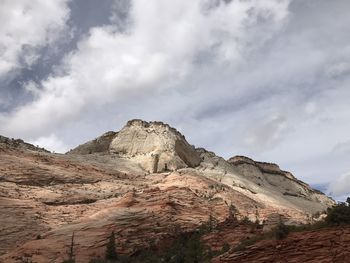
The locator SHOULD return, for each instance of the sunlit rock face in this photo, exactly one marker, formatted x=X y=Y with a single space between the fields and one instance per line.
x=140 y=182
x=155 y=146
x=269 y=176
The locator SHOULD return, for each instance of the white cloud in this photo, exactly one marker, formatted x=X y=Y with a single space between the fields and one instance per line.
x=341 y=186
x=51 y=143
x=267 y=133
x=157 y=51
x=26 y=26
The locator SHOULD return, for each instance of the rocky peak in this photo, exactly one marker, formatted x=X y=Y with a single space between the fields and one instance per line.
x=155 y=145
x=156 y=126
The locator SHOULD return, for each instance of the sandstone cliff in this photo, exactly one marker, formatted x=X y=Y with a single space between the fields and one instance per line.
x=155 y=145
x=140 y=182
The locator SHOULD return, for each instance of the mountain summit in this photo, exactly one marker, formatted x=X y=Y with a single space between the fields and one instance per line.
x=154 y=145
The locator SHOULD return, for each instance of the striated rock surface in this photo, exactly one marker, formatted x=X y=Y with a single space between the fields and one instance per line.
x=268 y=168
x=50 y=196
x=269 y=176
x=321 y=246
x=267 y=185
x=141 y=182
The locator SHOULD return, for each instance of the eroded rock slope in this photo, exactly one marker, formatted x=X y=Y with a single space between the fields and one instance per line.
x=141 y=182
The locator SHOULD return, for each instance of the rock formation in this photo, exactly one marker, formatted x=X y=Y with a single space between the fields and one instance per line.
x=154 y=145
x=157 y=147
x=18 y=144
x=98 y=145
x=141 y=183
x=326 y=245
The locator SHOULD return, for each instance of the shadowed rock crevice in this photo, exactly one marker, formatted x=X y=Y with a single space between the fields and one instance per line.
x=98 y=145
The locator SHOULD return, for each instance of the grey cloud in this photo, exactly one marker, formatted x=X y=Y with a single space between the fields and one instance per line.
x=341 y=186
x=283 y=100
x=338 y=70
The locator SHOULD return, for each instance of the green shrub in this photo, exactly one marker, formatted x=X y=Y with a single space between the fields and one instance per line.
x=111 y=253
x=281 y=231
x=225 y=248
x=339 y=214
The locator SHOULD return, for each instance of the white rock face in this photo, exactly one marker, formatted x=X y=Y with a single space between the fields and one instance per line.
x=263 y=182
x=155 y=146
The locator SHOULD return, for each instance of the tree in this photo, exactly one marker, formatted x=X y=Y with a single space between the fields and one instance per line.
x=212 y=223
x=232 y=213
x=339 y=214
x=111 y=253
x=188 y=248
x=225 y=248
x=71 y=255
x=281 y=231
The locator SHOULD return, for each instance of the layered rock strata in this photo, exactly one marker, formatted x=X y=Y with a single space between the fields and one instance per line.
x=141 y=182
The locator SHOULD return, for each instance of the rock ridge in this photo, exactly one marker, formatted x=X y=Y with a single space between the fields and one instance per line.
x=7 y=143
x=264 y=167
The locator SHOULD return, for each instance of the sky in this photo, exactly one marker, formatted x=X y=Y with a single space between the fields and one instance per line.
x=266 y=79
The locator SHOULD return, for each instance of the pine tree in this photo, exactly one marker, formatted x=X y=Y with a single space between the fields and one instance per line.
x=111 y=253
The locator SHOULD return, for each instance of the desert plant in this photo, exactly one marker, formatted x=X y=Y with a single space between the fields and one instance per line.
x=339 y=214
x=233 y=211
x=281 y=231
x=111 y=253
x=188 y=248
x=225 y=248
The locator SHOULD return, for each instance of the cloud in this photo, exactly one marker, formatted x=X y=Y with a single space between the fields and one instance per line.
x=51 y=143
x=266 y=79
x=267 y=134
x=25 y=27
x=341 y=148
x=341 y=186
x=339 y=69
x=158 y=50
